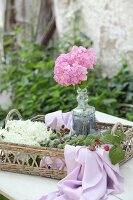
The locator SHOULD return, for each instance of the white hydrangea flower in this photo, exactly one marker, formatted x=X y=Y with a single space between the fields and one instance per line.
x=25 y=132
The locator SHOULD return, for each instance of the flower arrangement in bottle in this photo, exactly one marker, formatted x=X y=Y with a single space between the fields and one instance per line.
x=73 y=68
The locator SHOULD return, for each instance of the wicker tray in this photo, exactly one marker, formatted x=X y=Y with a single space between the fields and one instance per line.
x=26 y=159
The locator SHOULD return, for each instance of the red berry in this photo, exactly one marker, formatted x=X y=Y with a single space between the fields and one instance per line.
x=106 y=148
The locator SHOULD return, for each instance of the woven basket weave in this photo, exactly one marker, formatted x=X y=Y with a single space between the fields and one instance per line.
x=26 y=159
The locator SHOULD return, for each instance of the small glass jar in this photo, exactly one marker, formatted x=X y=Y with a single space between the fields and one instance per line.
x=84 y=121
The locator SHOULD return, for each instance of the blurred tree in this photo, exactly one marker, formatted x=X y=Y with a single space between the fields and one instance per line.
x=35 y=17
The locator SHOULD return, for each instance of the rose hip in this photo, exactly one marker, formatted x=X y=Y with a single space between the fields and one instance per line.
x=106 y=148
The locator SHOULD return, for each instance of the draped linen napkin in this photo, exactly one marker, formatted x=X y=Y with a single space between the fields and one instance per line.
x=56 y=119
x=90 y=176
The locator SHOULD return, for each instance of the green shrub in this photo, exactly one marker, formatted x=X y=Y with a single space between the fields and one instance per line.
x=113 y=95
x=3 y=197
x=30 y=80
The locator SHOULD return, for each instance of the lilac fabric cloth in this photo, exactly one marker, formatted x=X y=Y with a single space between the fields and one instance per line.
x=56 y=119
x=91 y=176
x=47 y=162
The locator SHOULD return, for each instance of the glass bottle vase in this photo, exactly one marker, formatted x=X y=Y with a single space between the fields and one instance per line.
x=84 y=121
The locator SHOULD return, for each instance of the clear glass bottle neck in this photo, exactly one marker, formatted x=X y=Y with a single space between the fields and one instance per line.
x=82 y=98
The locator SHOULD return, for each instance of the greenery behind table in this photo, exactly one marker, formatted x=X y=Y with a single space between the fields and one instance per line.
x=3 y=197
x=28 y=74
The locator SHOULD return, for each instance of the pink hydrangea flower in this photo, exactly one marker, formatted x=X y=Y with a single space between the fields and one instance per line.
x=71 y=68
x=85 y=57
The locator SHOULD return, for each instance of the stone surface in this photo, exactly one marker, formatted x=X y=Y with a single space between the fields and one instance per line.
x=107 y=23
x=5 y=100
x=2 y=10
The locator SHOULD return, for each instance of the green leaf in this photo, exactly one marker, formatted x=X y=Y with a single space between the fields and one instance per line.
x=116 y=140
x=107 y=138
x=113 y=139
x=116 y=154
x=83 y=84
x=58 y=135
x=118 y=137
x=120 y=134
x=90 y=139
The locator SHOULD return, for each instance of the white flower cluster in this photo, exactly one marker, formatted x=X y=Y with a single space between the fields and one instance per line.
x=25 y=132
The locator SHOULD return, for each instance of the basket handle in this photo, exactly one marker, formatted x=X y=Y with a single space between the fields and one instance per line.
x=115 y=127
x=9 y=115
